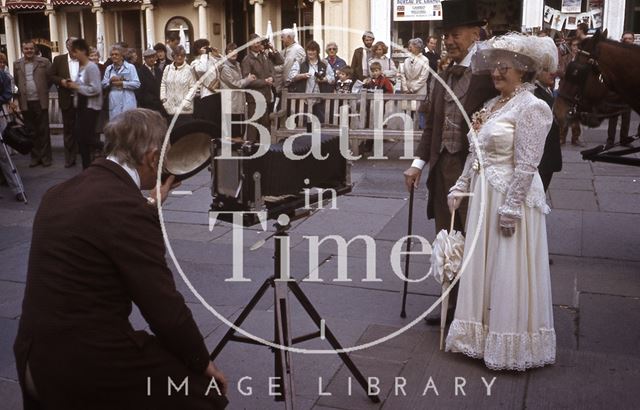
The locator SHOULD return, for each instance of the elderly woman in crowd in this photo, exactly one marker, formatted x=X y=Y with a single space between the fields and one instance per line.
x=87 y=101
x=312 y=76
x=120 y=80
x=379 y=51
x=332 y=59
x=178 y=81
x=504 y=313
x=415 y=70
x=231 y=79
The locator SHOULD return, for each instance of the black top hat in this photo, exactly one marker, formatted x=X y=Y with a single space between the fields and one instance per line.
x=456 y=13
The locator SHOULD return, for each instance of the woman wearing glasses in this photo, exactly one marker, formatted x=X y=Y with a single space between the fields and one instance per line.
x=332 y=59
x=504 y=313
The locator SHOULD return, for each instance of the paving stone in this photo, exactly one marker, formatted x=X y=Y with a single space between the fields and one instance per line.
x=10 y=395
x=187 y=217
x=575 y=184
x=609 y=277
x=564 y=232
x=14 y=235
x=618 y=202
x=611 y=235
x=574 y=170
x=11 y=294
x=624 y=184
x=343 y=223
x=585 y=380
x=396 y=228
x=601 y=168
x=574 y=200
x=381 y=369
x=565 y=325
x=14 y=262
x=8 y=332
x=21 y=217
x=564 y=281
x=427 y=361
x=601 y=329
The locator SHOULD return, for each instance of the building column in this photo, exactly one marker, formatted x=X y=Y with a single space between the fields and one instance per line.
x=317 y=25
x=381 y=21
x=149 y=23
x=532 y=11
x=613 y=18
x=257 y=11
x=53 y=30
x=12 y=54
x=203 y=21
x=100 y=40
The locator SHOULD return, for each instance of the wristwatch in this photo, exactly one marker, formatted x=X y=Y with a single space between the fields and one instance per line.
x=151 y=201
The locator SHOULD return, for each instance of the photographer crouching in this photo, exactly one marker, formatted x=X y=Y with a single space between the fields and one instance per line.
x=97 y=247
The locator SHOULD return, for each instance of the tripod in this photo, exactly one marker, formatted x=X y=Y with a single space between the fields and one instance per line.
x=14 y=170
x=282 y=322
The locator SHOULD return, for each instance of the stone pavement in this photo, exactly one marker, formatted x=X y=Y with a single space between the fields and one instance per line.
x=593 y=238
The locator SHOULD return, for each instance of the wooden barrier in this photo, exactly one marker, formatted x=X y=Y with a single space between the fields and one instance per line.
x=368 y=115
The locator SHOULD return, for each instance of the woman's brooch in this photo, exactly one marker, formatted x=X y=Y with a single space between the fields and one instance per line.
x=478 y=119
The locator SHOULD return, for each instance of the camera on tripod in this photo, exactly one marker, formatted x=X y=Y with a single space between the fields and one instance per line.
x=274 y=182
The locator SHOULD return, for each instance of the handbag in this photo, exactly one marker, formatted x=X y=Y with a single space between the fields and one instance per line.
x=17 y=135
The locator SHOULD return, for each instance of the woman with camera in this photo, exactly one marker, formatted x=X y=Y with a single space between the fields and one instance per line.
x=207 y=69
x=312 y=76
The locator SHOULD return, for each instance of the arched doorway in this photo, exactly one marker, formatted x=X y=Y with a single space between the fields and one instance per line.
x=183 y=28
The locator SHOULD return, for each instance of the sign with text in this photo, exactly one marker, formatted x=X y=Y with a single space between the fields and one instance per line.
x=417 y=10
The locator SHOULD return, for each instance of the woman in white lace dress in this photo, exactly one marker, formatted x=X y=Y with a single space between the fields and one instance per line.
x=504 y=313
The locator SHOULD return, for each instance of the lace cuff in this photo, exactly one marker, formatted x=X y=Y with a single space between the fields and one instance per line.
x=516 y=194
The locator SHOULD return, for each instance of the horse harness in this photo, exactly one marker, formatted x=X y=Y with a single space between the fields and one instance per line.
x=576 y=74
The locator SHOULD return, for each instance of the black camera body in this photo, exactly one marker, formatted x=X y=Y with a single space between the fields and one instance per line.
x=320 y=74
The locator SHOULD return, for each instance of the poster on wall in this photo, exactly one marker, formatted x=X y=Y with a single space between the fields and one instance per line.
x=596 y=18
x=548 y=14
x=585 y=18
x=571 y=6
x=572 y=22
x=558 y=21
x=417 y=10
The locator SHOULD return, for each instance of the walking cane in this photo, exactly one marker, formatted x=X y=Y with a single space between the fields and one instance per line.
x=403 y=314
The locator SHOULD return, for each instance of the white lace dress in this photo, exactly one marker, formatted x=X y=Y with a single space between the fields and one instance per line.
x=504 y=313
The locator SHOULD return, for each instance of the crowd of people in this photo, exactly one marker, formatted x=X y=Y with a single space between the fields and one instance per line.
x=86 y=271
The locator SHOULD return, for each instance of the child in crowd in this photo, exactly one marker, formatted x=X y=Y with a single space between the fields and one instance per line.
x=378 y=81
x=345 y=81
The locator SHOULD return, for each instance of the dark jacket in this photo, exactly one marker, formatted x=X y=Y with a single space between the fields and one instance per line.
x=552 y=157
x=148 y=95
x=59 y=71
x=300 y=86
x=97 y=248
x=480 y=90
x=262 y=66
x=356 y=63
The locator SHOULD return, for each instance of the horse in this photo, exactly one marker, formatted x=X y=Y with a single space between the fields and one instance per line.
x=600 y=83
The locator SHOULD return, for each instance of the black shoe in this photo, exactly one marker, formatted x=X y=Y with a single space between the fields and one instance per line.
x=626 y=141
x=70 y=164
x=20 y=197
x=34 y=163
x=46 y=164
x=435 y=319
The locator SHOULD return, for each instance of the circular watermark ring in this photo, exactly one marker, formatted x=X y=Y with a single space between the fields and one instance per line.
x=293 y=349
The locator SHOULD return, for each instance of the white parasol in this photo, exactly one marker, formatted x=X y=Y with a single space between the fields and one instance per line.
x=295 y=32
x=446 y=260
x=269 y=32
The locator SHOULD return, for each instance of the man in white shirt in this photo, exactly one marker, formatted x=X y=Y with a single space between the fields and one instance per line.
x=65 y=68
x=291 y=51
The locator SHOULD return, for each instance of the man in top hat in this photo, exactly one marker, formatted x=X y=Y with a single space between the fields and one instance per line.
x=361 y=57
x=444 y=146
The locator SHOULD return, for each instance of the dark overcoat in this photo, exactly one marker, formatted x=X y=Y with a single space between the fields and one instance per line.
x=480 y=90
x=97 y=247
